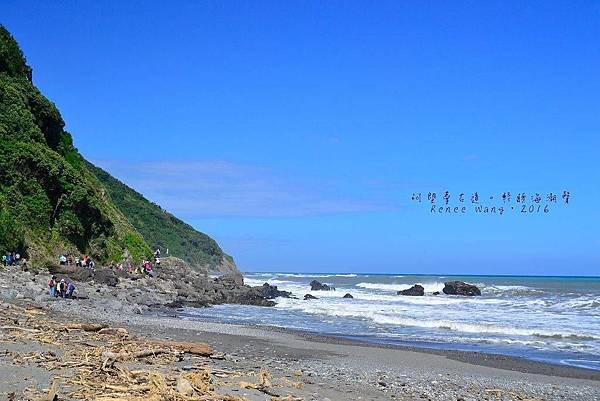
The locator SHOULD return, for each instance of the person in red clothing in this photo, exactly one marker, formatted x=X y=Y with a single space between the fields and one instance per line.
x=52 y=286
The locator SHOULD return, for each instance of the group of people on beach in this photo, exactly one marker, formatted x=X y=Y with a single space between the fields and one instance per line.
x=86 y=261
x=13 y=259
x=79 y=261
x=60 y=288
x=147 y=265
x=65 y=289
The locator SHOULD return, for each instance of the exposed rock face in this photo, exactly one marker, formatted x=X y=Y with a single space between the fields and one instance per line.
x=174 y=284
x=227 y=265
x=271 y=291
x=308 y=297
x=72 y=273
x=348 y=295
x=234 y=277
x=173 y=262
x=415 y=291
x=317 y=286
x=461 y=288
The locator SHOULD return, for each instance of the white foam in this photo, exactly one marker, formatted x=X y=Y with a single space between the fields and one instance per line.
x=396 y=316
x=504 y=314
x=584 y=303
x=254 y=281
x=306 y=275
x=394 y=287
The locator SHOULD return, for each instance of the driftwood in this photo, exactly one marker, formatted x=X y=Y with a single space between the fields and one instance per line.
x=113 y=331
x=94 y=364
x=19 y=328
x=201 y=349
x=53 y=393
x=263 y=385
x=86 y=326
x=112 y=357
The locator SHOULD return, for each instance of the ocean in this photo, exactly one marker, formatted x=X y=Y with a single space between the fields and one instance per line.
x=549 y=319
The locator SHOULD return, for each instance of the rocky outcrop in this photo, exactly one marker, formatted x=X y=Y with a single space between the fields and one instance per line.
x=235 y=278
x=308 y=297
x=271 y=292
x=348 y=295
x=174 y=284
x=227 y=265
x=461 y=288
x=317 y=286
x=73 y=273
x=415 y=291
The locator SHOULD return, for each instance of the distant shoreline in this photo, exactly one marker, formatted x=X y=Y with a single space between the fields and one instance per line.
x=316 y=274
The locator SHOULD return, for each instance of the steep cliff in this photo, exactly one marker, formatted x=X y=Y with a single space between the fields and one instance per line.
x=53 y=201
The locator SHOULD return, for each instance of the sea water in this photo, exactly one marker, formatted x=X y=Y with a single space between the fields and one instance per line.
x=550 y=319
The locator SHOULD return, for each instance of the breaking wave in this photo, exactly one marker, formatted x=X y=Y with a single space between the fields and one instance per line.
x=429 y=287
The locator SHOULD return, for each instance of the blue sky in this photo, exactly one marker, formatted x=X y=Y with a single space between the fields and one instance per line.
x=296 y=132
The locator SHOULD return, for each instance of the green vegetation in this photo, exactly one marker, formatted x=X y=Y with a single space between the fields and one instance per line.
x=160 y=228
x=51 y=199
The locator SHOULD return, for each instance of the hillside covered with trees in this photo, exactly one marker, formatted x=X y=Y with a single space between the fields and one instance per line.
x=53 y=201
x=160 y=228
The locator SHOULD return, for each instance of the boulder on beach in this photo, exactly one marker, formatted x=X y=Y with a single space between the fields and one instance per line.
x=316 y=286
x=348 y=295
x=309 y=297
x=414 y=291
x=101 y=275
x=461 y=288
x=435 y=293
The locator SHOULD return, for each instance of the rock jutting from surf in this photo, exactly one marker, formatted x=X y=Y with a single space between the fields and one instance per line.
x=414 y=291
x=461 y=288
x=317 y=286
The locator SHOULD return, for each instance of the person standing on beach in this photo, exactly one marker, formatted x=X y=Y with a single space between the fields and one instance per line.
x=70 y=290
x=62 y=288
x=52 y=285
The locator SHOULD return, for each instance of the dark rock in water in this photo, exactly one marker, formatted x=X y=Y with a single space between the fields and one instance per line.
x=316 y=286
x=460 y=288
x=270 y=291
x=308 y=296
x=436 y=293
x=348 y=296
x=415 y=291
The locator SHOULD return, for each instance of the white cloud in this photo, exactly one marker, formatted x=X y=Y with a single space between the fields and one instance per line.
x=197 y=189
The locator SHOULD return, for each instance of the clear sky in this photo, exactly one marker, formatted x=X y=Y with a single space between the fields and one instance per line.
x=295 y=132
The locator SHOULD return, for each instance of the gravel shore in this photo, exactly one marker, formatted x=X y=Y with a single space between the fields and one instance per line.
x=308 y=367
x=337 y=369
